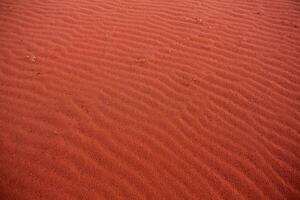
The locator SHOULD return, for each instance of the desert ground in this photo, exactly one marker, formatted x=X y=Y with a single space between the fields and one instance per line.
x=149 y=99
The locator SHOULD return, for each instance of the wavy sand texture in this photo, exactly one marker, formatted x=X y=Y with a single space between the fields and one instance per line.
x=150 y=99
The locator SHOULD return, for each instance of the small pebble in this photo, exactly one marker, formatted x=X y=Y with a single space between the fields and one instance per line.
x=198 y=20
x=141 y=60
x=31 y=58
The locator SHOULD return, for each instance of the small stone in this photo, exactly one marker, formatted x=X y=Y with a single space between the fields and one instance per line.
x=141 y=60
x=198 y=20
x=186 y=18
x=31 y=58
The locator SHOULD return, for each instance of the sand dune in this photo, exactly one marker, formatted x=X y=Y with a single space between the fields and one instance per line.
x=150 y=99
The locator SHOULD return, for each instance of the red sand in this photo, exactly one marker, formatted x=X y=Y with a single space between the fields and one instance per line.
x=150 y=99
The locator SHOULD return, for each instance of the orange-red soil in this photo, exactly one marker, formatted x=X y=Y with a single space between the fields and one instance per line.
x=150 y=99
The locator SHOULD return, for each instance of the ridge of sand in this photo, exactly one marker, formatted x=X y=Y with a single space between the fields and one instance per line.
x=149 y=99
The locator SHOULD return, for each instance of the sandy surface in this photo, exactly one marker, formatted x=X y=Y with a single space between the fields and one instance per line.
x=150 y=99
